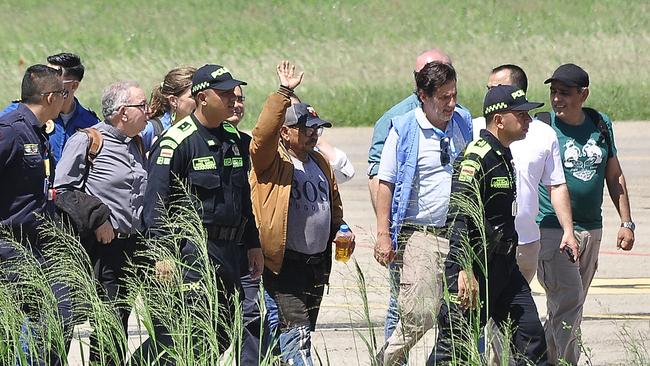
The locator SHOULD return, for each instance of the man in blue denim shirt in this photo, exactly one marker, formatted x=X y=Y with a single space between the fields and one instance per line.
x=73 y=115
x=412 y=200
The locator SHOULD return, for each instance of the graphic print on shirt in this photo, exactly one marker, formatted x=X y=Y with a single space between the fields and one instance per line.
x=582 y=163
x=310 y=194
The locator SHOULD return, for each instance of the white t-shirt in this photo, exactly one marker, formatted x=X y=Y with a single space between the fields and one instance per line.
x=429 y=199
x=536 y=160
x=342 y=166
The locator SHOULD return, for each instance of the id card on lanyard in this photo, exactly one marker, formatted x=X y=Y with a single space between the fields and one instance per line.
x=48 y=188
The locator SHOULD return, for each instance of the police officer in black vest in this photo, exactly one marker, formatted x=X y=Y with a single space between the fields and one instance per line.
x=27 y=174
x=210 y=156
x=481 y=268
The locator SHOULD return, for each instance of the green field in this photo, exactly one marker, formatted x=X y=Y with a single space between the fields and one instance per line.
x=357 y=55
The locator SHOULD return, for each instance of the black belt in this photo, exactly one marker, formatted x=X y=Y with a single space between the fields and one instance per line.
x=435 y=230
x=122 y=236
x=224 y=233
x=305 y=258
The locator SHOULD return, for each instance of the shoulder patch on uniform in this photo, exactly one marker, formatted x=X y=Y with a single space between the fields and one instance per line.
x=31 y=149
x=168 y=143
x=163 y=160
x=230 y=129
x=166 y=152
x=468 y=169
x=181 y=130
x=479 y=147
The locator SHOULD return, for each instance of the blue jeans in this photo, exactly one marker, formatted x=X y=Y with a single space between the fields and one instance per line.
x=295 y=344
x=392 y=313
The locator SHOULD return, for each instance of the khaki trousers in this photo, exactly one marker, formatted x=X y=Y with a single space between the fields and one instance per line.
x=566 y=286
x=420 y=260
x=527 y=258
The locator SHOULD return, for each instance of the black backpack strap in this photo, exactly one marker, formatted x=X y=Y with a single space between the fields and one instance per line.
x=158 y=127
x=598 y=120
x=544 y=117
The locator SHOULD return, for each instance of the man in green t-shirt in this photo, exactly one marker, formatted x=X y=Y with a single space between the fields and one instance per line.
x=589 y=158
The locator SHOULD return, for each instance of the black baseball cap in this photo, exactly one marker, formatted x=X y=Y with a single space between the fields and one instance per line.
x=571 y=75
x=212 y=76
x=304 y=114
x=507 y=98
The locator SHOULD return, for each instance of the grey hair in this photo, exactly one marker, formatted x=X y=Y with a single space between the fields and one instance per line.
x=116 y=95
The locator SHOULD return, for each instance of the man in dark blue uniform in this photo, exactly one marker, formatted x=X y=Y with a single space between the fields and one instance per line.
x=73 y=115
x=210 y=157
x=483 y=242
x=26 y=172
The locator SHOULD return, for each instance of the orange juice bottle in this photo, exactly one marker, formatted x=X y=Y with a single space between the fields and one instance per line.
x=343 y=241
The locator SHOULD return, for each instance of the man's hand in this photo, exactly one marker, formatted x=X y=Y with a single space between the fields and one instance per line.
x=569 y=240
x=625 y=239
x=467 y=290
x=105 y=233
x=165 y=270
x=255 y=262
x=384 y=253
x=353 y=244
x=286 y=74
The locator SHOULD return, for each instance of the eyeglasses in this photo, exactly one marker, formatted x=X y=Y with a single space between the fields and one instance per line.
x=144 y=106
x=241 y=98
x=310 y=131
x=63 y=92
x=444 y=151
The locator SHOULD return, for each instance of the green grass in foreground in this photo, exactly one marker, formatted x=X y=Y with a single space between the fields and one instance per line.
x=357 y=55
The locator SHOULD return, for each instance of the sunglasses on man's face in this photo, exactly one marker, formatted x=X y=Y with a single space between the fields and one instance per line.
x=63 y=92
x=309 y=131
x=144 y=106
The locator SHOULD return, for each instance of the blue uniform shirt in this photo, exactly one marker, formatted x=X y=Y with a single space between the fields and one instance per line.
x=81 y=118
x=23 y=152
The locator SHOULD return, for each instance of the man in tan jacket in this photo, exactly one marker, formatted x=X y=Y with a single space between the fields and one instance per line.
x=298 y=211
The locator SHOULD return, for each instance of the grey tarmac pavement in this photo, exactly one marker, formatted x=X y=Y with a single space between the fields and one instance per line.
x=619 y=299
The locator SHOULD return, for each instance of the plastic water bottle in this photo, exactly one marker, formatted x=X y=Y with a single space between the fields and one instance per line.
x=343 y=241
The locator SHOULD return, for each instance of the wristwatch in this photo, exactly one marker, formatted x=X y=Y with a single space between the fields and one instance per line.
x=628 y=225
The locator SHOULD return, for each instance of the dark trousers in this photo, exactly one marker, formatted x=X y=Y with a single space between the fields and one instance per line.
x=109 y=263
x=195 y=300
x=256 y=337
x=10 y=259
x=297 y=291
x=509 y=299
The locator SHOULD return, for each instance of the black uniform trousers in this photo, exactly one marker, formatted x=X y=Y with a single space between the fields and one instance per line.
x=224 y=257
x=256 y=337
x=110 y=263
x=509 y=298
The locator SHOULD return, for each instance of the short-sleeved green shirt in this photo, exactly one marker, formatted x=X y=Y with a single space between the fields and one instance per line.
x=584 y=157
